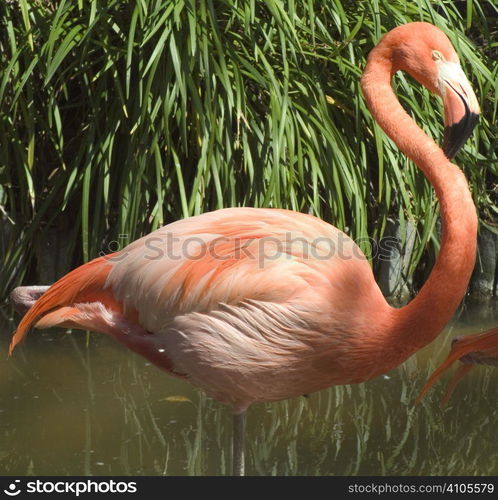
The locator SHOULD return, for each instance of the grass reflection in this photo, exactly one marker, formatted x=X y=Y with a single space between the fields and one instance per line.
x=81 y=404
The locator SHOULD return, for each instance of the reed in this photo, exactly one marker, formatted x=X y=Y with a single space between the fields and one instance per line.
x=117 y=117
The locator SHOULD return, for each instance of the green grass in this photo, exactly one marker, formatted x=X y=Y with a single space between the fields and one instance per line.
x=117 y=117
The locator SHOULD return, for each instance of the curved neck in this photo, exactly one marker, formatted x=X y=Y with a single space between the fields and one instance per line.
x=419 y=322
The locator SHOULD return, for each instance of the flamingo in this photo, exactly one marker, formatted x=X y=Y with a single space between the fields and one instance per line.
x=470 y=350
x=256 y=304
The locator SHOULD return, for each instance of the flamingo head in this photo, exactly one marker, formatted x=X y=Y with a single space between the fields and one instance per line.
x=426 y=53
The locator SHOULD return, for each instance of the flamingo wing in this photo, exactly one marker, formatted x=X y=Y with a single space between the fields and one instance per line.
x=232 y=255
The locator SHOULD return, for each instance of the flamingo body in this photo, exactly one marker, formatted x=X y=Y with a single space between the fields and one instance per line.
x=262 y=311
x=249 y=304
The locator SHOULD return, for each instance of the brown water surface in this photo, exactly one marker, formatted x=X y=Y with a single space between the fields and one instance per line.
x=77 y=403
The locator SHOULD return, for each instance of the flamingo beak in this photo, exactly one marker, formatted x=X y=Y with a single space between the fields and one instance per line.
x=461 y=109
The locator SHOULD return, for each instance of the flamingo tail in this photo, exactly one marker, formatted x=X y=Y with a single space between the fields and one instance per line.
x=84 y=284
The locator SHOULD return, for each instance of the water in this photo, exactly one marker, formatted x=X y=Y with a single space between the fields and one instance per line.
x=77 y=403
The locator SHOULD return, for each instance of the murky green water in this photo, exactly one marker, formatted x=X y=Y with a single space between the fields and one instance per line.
x=82 y=404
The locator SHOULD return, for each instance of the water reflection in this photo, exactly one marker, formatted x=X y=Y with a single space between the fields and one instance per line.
x=82 y=404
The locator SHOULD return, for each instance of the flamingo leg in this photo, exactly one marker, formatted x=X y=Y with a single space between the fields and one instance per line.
x=239 y=431
x=23 y=297
x=460 y=373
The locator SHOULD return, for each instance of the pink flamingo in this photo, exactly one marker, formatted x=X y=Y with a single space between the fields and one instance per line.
x=258 y=305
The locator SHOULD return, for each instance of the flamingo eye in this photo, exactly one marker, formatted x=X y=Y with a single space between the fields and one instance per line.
x=437 y=56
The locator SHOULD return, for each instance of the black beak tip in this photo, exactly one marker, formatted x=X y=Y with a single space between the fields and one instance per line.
x=455 y=135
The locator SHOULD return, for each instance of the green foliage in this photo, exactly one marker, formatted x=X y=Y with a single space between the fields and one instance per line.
x=119 y=116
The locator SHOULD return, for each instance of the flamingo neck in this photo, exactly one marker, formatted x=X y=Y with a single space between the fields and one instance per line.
x=418 y=323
